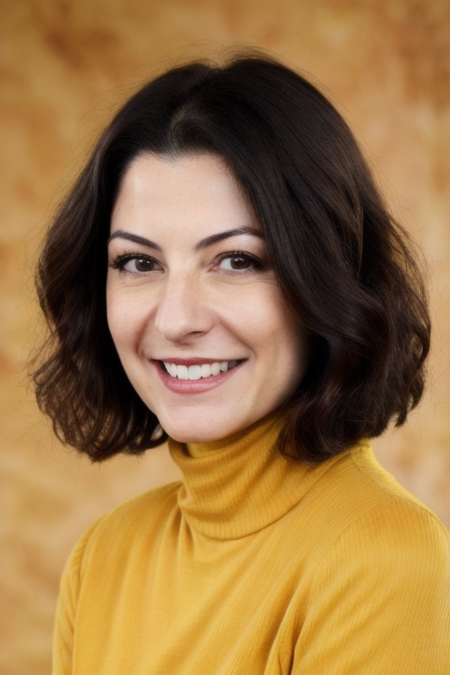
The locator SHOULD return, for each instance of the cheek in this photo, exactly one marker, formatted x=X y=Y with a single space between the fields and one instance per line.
x=288 y=342
x=274 y=332
x=276 y=321
x=123 y=317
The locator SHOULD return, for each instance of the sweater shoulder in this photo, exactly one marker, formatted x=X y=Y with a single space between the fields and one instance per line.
x=356 y=494
x=143 y=508
x=378 y=600
x=389 y=491
x=132 y=521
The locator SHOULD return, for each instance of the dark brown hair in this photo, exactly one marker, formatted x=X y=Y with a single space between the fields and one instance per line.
x=342 y=262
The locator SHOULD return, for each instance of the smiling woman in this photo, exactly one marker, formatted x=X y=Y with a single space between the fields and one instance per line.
x=194 y=307
x=225 y=274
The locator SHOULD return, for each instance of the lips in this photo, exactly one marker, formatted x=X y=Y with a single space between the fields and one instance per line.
x=197 y=371
x=188 y=368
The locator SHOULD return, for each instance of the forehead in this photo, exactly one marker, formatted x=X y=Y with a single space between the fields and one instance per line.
x=196 y=191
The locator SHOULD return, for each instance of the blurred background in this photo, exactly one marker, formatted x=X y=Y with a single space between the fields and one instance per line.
x=66 y=65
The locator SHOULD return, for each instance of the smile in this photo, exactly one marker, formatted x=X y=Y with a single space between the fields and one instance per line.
x=197 y=371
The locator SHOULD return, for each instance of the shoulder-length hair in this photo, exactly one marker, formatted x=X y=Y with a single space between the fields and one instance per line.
x=342 y=262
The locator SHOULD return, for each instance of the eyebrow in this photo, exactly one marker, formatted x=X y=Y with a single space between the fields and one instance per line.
x=203 y=243
x=120 y=234
x=220 y=236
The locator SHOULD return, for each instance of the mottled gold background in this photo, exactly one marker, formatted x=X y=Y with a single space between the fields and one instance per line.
x=66 y=65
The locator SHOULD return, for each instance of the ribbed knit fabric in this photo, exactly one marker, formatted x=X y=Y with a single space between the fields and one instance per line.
x=258 y=565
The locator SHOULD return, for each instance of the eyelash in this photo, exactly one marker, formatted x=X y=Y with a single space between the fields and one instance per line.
x=257 y=264
x=121 y=260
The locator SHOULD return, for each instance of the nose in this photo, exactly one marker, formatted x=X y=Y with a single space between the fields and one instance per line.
x=183 y=311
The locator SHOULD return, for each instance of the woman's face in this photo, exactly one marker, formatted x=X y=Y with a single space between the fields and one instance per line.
x=194 y=309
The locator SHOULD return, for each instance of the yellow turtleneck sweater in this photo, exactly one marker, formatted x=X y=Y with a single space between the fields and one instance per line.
x=258 y=565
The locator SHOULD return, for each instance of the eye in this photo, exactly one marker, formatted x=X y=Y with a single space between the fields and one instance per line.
x=238 y=261
x=134 y=263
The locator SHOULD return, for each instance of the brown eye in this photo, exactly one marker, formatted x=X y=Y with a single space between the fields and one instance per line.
x=140 y=265
x=239 y=262
x=135 y=264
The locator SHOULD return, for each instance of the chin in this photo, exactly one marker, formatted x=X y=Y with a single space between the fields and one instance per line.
x=200 y=432
x=189 y=435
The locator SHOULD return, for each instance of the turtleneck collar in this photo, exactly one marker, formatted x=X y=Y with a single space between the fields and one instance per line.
x=237 y=486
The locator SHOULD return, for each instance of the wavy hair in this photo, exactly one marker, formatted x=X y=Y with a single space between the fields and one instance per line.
x=344 y=265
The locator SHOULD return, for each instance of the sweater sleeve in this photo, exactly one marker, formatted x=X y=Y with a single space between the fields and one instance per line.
x=63 y=635
x=380 y=600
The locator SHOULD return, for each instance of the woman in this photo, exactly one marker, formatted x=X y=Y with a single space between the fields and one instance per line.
x=225 y=273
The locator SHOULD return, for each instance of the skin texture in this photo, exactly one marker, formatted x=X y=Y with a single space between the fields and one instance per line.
x=178 y=293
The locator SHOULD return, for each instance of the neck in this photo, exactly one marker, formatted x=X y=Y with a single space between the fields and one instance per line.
x=239 y=485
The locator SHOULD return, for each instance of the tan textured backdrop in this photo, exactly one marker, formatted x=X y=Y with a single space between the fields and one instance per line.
x=66 y=65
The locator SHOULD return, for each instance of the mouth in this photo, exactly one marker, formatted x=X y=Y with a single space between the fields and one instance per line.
x=197 y=371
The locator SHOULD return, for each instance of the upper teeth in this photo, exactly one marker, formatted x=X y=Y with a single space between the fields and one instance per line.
x=198 y=371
